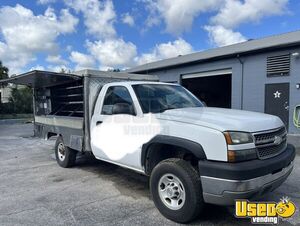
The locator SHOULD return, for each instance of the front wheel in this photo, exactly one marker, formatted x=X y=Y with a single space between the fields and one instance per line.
x=65 y=156
x=176 y=190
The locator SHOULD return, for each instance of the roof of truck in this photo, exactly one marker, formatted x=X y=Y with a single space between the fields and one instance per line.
x=40 y=79
x=113 y=74
x=141 y=83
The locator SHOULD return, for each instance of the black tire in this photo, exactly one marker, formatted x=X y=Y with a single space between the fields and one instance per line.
x=190 y=179
x=69 y=154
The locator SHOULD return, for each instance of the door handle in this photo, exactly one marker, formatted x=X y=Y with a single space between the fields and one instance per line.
x=98 y=123
x=286 y=106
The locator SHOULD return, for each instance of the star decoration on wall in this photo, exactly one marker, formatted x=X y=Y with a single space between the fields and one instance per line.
x=277 y=94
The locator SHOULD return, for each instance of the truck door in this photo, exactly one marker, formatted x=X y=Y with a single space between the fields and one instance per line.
x=112 y=137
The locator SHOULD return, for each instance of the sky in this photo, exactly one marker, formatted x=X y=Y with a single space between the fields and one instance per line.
x=117 y=34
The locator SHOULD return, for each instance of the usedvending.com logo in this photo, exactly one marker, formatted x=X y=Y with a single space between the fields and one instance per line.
x=265 y=212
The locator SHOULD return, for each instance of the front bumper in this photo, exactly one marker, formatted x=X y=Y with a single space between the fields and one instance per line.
x=222 y=183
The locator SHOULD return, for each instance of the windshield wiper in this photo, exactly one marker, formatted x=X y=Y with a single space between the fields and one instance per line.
x=168 y=108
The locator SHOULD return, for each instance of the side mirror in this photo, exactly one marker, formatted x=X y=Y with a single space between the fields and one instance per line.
x=296 y=117
x=122 y=108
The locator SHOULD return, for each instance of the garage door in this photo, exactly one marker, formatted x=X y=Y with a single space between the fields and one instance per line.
x=212 y=87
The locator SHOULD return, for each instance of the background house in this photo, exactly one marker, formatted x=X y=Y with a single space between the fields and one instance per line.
x=5 y=94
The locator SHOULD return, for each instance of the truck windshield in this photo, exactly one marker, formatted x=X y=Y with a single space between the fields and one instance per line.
x=156 y=98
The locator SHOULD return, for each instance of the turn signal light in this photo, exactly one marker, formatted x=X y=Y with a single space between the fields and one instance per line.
x=228 y=138
x=231 y=156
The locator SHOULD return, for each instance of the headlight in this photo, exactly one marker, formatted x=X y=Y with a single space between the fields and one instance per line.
x=238 y=138
x=234 y=138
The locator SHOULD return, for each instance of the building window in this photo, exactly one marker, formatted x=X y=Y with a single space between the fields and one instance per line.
x=278 y=65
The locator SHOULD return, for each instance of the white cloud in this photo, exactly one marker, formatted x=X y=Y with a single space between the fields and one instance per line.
x=45 y=2
x=99 y=16
x=128 y=19
x=13 y=59
x=166 y=50
x=113 y=52
x=58 y=68
x=56 y=59
x=234 y=12
x=17 y=49
x=69 y=48
x=178 y=15
x=106 y=68
x=109 y=50
x=154 y=16
x=220 y=36
x=37 y=67
x=147 y=58
x=83 y=61
x=41 y=30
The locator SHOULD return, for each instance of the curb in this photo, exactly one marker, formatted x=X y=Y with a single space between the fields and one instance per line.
x=14 y=121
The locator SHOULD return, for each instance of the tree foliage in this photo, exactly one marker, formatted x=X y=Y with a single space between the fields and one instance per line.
x=3 y=73
x=20 y=102
x=21 y=99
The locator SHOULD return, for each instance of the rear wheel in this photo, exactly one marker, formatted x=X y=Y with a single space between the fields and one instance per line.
x=176 y=190
x=65 y=156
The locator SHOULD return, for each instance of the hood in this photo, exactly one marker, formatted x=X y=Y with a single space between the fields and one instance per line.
x=223 y=119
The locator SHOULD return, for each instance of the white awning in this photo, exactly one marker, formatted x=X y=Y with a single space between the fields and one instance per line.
x=208 y=73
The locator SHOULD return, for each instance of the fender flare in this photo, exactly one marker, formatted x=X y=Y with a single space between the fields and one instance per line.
x=189 y=145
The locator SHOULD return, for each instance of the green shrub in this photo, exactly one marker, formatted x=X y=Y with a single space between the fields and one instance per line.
x=6 y=108
x=21 y=100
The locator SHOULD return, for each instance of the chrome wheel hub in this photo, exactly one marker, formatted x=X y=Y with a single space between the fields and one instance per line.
x=171 y=191
x=61 y=152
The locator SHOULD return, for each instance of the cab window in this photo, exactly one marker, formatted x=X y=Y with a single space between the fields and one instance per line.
x=117 y=101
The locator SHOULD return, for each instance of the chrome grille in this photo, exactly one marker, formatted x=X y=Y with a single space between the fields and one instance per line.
x=270 y=143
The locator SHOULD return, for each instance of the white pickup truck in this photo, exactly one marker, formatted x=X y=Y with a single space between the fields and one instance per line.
x=193 y=154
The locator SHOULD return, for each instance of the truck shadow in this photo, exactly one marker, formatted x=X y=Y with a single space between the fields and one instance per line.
x=215 y=215
x=132 y=184
x=126 y=181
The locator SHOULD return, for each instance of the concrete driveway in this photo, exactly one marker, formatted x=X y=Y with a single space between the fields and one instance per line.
x=34 y=190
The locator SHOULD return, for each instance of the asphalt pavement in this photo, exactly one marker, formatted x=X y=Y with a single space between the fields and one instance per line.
x=34 y=190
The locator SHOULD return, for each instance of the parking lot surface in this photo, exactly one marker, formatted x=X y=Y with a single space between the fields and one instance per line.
x=34 y=190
